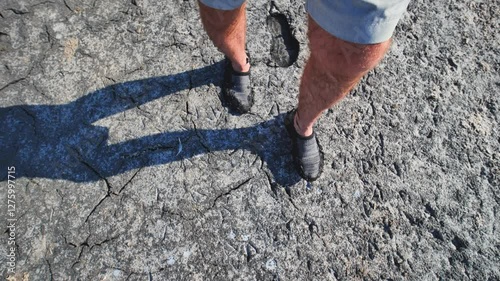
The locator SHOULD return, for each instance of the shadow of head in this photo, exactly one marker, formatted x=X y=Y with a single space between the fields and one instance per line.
x=60 y=142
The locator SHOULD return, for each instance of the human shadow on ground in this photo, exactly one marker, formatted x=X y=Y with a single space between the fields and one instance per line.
x=60 y=142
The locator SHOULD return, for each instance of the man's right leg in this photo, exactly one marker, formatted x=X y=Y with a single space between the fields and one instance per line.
x=226 y=27
x=227 y=30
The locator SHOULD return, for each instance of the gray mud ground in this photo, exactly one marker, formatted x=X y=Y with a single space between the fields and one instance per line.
x=129 y=167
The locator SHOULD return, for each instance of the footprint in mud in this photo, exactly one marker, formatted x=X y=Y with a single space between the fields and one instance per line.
x=284 y=46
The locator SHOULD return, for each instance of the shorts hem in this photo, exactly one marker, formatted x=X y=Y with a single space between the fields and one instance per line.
x=223 y=5
x=359 y=27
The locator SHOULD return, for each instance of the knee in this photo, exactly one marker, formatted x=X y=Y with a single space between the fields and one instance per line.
x=339 y=57
x=219 y=19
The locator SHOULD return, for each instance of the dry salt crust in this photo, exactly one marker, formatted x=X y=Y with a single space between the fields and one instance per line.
x=129 y=167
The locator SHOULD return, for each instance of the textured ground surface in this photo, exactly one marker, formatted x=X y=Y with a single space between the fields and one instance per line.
x=130 y=168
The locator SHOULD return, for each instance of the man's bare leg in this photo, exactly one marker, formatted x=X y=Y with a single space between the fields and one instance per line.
x=227 y=30
x=334 y=67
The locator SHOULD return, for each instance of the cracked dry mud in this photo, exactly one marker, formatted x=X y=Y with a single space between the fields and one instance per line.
x=129 y=167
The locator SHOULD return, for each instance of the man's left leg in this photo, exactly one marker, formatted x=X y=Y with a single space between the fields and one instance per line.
x=334 y=67
x=339 y=58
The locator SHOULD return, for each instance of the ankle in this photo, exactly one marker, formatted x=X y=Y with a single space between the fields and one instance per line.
x=241 y=66
x=302 y=130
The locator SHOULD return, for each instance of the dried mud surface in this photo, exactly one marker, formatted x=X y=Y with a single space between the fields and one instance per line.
x=129 y=167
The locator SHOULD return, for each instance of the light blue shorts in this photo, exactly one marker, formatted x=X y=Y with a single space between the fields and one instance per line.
x=357 y=21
